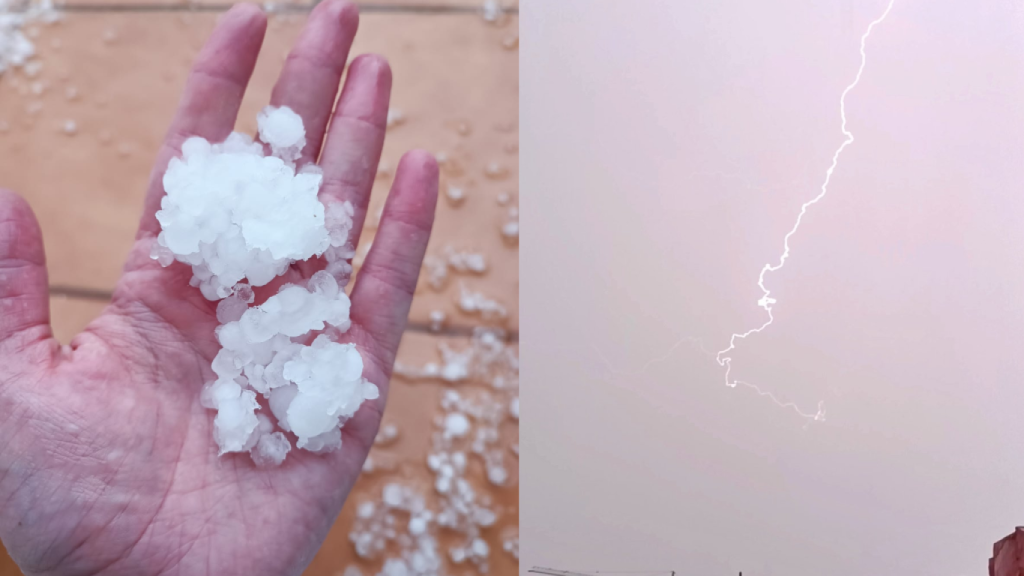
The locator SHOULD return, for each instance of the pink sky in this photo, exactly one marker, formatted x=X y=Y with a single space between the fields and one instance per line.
x=666 y=150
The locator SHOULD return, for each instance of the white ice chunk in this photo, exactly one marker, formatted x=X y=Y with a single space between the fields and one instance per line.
x=330 y=387
x=417 y=525
x=271 y=449
x=323 y=284
x=395 y=117
x=456 y=425
x=235 y=422
x=240 y=219
x=464 y=261
x=326 y=442
x=15 y=47
x=282 y=129
x=220 y=390
x=476 y=303
x=234 y=214
x=294 y=311
x=280 y=400
x=338 y=220
x=437 y=318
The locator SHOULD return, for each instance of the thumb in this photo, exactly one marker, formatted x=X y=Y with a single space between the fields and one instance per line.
x=24 y=295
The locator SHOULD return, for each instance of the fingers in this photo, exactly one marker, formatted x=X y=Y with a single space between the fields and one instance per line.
x=213 y=93
x=356 y=137
x=387 y=280
x=24 y=295
x=309 y=80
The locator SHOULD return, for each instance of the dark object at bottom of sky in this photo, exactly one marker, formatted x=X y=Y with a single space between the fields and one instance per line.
x=1008 y=555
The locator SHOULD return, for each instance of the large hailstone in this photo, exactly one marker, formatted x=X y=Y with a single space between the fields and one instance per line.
x=240 y=218
x=234 y=214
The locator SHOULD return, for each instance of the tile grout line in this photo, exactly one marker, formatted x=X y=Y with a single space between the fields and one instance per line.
x=511 y=336
x=81 y=293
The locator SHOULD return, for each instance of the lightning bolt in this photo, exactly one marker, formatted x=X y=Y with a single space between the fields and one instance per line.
x=766 y=302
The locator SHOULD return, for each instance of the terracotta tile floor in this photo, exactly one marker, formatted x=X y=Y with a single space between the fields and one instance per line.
x=456 y=82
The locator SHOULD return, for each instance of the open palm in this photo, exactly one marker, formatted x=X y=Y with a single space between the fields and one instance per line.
x=107 y=459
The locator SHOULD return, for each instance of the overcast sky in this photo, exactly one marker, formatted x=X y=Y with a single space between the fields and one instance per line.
x=666 y=150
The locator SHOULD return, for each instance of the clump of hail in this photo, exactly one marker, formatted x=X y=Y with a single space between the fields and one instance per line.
x=241 y=218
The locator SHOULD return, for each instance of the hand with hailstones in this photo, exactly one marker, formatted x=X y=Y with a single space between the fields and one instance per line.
x=108 y=463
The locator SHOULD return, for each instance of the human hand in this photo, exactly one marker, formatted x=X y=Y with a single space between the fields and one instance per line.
x=107 y=459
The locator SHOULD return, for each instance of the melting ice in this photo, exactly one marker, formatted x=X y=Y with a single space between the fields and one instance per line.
x=241 y=218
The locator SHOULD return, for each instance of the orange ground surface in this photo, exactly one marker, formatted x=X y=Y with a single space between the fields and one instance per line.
x=456 y=83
